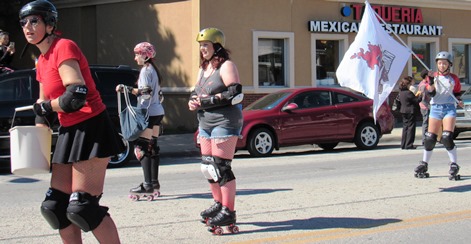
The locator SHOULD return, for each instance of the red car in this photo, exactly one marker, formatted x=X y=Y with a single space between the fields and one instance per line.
x=324 y=116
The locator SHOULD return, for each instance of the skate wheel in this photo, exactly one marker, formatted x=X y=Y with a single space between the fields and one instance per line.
x=233 y=229
x=427 y=175
x=134 y=198
x=218 y=231
x=150 y=198
x=157 y=194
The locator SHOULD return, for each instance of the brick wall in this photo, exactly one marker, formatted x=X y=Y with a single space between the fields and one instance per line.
x=250 y=98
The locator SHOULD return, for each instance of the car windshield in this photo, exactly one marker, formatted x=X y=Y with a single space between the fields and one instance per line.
x=268 y=102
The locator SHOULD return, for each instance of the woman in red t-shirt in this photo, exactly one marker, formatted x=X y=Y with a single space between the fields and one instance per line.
x=87 y=138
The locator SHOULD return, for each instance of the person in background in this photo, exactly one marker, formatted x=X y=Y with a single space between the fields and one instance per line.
x=7 y=49
x=409 y=104
x=217 y=98
x=87 y=138
x=146 y=147
x=424 y=104
x=444 y=87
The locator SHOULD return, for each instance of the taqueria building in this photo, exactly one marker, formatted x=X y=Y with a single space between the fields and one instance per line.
x=276 y=44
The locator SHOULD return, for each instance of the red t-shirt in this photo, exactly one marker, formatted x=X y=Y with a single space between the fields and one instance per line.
x=48 y=74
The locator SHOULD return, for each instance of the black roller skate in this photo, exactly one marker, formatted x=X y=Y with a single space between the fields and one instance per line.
x=210 y=212
x=454 y=169
x=421 y=170
x=144 y=190
x=224 y=218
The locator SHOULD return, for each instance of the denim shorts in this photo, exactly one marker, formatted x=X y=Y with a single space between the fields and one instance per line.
x=218 y=132
x=441 y=111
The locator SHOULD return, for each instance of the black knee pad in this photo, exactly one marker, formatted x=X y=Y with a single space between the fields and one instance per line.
x=225 y=170
x=142 y=148
x=447 y=140
x=84 y=210
x=430 y=140
x=54 y=208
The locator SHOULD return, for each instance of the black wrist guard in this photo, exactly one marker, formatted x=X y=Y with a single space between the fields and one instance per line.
x=42 y=108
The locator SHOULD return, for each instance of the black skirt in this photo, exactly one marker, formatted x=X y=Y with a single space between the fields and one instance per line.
x=95 y=137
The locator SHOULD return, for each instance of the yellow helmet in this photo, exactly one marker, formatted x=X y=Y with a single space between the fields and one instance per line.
x=213 y=35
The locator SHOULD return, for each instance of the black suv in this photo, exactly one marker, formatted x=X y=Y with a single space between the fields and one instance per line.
x=20 y=88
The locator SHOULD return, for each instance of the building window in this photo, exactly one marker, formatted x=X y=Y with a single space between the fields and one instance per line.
x=273 y=59
x=327 y=61
x=271 y=70
x=460 y=61
x=460 y=48
x=328 y=51
x=425 y=49
x=422 y=51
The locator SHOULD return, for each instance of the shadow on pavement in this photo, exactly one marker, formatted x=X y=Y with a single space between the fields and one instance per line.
x=320 y=223
x=464 y=188
x=23 y=180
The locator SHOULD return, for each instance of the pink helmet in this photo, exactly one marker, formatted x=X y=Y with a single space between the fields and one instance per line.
x=146 y=49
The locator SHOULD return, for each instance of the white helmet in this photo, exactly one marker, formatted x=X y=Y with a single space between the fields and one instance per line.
x=444 y=55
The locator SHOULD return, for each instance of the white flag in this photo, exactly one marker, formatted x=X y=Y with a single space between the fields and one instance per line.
x=373 y=63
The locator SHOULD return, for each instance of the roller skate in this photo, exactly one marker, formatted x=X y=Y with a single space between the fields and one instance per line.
x=421 y=170
x=210 y=212
x=454 y=169
x=224 y=218
x=142 y=191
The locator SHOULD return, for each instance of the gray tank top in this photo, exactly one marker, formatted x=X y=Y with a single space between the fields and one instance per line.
x=227 y=116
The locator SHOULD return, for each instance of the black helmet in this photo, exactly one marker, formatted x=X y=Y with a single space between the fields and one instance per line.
x=43 y=8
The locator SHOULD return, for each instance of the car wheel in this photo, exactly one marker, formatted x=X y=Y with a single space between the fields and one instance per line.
x=328 y=146
x=123 y=158
x=367 y=136
x=261 y=142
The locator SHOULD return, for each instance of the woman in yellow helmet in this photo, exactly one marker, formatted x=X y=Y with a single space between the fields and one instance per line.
x=217 y=98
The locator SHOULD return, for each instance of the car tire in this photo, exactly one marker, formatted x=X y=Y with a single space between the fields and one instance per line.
x=328 y=146
x=367 y=136
x=123 y=158
x=261 y=142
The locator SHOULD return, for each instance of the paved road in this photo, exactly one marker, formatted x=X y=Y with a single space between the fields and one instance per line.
x=300 y=195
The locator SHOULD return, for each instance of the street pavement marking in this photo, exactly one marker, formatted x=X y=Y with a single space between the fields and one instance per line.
x=341 y=233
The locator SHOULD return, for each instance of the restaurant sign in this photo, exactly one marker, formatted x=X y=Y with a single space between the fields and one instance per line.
x=401 y=20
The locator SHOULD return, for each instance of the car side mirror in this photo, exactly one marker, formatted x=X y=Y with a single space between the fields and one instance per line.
x=289 y=107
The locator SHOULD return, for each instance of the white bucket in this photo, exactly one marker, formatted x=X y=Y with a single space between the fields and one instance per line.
x=30 y=150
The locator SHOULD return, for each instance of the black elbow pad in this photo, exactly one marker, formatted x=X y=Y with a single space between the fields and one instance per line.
x=74 y=98
x=232 y=91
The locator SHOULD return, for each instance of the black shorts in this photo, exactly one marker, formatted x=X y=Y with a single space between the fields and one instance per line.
x=95 y=137
x=154 y=120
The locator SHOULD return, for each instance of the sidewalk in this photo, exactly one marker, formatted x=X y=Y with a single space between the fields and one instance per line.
x=183 y=145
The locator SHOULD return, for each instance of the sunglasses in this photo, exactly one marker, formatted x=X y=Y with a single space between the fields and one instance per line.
x=33 y=21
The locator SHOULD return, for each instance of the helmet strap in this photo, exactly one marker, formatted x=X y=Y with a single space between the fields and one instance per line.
x=214 y=54
x=45 y=36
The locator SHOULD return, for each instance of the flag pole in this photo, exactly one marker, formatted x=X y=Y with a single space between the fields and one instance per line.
x=415 y=55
